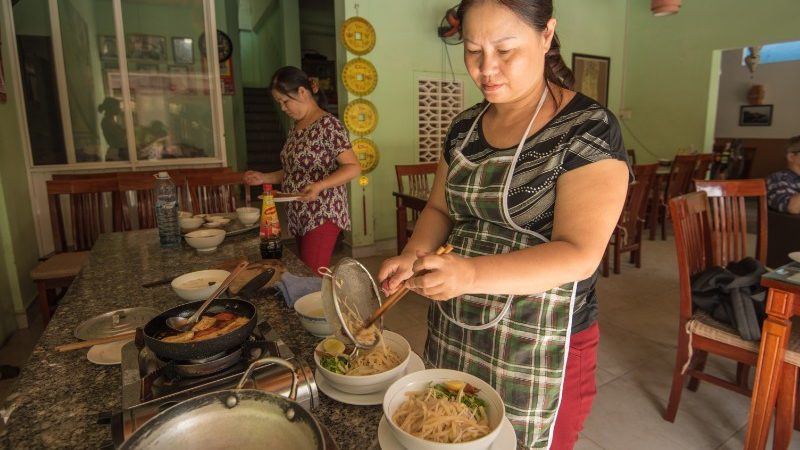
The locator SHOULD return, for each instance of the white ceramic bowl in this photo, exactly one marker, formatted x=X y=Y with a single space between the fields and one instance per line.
x=205 y=240
x=190 y=223
x=312 y=315
x=367 y=384
x=194 y=286
x=419 y=381
x=248 y=215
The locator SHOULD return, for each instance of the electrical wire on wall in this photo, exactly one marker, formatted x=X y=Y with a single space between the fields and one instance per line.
x=639 y=141
x=450 y=33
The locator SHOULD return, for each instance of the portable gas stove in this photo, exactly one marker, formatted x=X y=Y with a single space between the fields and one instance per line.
x=151 y=385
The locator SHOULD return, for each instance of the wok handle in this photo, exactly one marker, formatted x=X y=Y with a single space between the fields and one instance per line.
x=272 y=360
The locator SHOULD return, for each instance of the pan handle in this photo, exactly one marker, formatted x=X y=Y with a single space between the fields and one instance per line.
x=272 y=360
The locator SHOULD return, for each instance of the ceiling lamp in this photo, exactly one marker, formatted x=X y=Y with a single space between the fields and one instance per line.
x=664 y=7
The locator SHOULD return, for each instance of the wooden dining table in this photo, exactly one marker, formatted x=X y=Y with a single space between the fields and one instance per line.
x=414 y=200
x=783 y=303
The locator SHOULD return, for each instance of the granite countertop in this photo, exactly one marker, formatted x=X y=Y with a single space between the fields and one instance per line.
x=57 y=397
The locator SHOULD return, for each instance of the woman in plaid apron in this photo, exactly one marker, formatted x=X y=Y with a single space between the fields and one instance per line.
x=528 y=190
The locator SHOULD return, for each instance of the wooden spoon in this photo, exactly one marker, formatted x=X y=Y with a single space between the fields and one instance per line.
x=93 y=342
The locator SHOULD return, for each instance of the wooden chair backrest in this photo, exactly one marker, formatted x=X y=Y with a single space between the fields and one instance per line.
x=138 y=192
x=729 y=217
x=87 y=211
x=680 y=175
x=638 y=195
x=417 y=176
x=217 y=193
x=703 y=165
x=691 y=223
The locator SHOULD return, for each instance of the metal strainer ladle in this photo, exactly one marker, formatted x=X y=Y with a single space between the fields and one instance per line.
x=350 y=297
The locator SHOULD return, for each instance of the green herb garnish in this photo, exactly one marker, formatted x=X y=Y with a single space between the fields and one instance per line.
x=336 y=364
x=472 y=401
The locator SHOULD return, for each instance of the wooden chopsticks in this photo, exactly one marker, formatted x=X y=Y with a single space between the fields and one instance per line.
x=394 y=298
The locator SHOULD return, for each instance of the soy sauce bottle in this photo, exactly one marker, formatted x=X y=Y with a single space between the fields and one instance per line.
x=270 y=229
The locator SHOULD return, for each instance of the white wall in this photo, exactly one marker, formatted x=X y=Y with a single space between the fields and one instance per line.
x=782 y=82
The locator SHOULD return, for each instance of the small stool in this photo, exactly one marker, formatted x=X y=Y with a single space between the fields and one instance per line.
x=58 y=271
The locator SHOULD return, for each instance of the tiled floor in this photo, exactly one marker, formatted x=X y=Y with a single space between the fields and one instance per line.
x=638 y=322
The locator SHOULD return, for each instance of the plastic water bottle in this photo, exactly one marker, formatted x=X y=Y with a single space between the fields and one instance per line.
x=169 y=230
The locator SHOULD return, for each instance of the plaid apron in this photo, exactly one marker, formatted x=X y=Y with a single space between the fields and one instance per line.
x=516 y=343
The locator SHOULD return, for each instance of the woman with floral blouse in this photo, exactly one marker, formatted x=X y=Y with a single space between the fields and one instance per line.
x=317 y=162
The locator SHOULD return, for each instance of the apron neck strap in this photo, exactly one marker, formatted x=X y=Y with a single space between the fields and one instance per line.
x=535 y=114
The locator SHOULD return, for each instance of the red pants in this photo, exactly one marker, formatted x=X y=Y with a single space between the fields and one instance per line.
x=579 y=388
x=316 y=246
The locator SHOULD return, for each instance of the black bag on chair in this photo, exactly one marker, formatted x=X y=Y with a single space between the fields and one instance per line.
x=733 y=295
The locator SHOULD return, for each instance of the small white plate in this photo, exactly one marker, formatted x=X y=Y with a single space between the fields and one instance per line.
x=415 y=364
x=107 y=354
x=286 y=199
x=795 y=256
x=505 y=440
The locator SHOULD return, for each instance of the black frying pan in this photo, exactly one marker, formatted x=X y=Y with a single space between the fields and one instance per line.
x=184 y=351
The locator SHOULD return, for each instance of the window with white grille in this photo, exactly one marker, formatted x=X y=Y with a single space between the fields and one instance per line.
x=439 y=102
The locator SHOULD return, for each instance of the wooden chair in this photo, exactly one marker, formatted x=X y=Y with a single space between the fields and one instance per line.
x=698 y=333
x=219 y=193
x=418 y=176
x=729 y=218
x=678 y=183
x=627 y=236
x=87 y=220
x=418 y=179
x=703 y=166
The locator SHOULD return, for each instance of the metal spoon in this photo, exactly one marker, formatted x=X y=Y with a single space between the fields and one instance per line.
x=182 y=323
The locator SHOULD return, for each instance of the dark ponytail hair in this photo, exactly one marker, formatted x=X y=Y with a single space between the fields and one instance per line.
x=288 y=79
x=535 y=13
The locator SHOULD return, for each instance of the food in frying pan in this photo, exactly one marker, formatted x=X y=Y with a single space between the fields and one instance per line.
x=209 y=326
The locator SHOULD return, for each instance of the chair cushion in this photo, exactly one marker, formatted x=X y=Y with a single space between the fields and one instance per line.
x=704 y=325
x=60 y=265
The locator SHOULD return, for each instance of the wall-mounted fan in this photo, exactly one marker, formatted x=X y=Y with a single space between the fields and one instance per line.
x=449 y=27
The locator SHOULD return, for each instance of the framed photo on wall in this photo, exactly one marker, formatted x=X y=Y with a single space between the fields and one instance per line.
x=107 y=46
x=755 y=115
x=591 y=76
x=183 y=50
x=146 y=47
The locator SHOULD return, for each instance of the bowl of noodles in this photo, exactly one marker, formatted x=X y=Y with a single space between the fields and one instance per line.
x=442 y=409
x=369 y=371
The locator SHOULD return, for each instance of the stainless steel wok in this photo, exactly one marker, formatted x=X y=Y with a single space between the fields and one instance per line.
x=234 y=419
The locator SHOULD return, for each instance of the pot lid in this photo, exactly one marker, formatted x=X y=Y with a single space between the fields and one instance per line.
x=115 y=322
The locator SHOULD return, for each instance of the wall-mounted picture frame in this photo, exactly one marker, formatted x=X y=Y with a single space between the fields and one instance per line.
x=755 y=115
x=591 y=76
x=107 y=46
x=182 y=50
x=146 y=47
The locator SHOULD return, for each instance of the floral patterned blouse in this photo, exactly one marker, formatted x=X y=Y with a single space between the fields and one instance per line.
x=308 y=156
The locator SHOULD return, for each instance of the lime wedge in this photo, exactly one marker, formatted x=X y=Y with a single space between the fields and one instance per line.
x=333 y=346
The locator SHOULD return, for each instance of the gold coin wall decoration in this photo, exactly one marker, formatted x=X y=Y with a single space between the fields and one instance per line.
x=358 y=36
x=360 y=116
x=367 y=153
x=359 y=76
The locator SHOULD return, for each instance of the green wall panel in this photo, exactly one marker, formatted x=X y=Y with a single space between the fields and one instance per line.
x=672 y=74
